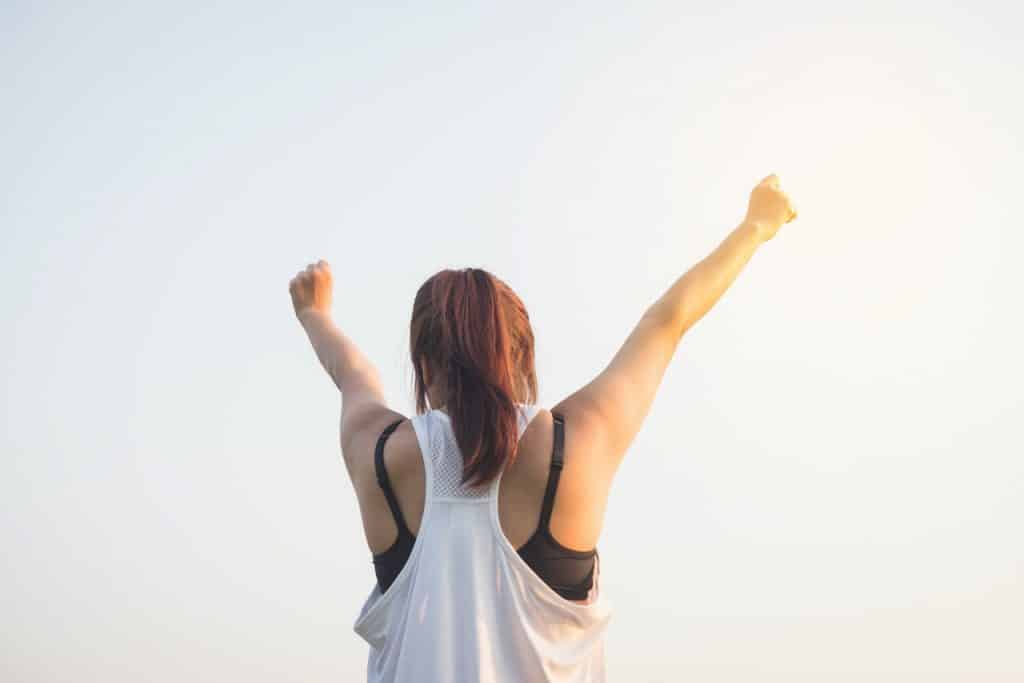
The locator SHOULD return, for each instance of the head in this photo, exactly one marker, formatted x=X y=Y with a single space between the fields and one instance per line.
x=472 y=353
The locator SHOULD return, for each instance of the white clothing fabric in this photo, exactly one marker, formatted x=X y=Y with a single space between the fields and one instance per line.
x=466 y=608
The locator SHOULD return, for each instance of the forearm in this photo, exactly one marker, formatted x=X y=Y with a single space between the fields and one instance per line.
x=341 y=358
x=696 y=291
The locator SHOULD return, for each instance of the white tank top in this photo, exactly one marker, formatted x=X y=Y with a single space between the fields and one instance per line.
x=466 y=607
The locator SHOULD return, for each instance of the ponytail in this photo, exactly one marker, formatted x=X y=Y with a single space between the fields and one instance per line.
x=470 y=326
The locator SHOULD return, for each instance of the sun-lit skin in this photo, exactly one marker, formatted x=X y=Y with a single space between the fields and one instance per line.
x=679 y=308
x=693 y=294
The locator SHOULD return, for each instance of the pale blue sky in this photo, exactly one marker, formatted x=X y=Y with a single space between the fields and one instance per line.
x=829 y=484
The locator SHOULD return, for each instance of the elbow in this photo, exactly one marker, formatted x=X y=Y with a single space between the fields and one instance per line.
x=672 y=321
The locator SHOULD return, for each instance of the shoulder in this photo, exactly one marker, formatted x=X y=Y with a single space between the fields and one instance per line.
x=533 y=457
x=362 y=431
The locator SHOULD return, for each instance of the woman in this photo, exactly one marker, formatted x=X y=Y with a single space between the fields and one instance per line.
x=483 y=572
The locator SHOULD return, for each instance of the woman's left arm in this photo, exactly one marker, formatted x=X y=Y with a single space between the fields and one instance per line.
x=355 y=376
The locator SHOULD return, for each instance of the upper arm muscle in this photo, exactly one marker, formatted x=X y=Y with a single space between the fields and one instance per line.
x=611 y=408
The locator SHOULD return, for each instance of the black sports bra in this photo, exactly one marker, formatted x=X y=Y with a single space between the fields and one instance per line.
x=569 y=572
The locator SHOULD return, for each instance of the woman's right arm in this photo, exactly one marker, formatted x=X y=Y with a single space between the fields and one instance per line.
x=607 y=413
x=700 y=288
x=693 y=294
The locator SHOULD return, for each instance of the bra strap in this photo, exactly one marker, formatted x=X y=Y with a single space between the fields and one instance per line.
x=385 y=483
x=555 y=472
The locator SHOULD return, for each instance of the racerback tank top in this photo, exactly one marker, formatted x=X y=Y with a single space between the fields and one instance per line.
x=465 y=604
x=568 y=571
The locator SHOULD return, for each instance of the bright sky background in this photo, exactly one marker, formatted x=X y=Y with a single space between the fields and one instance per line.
x=830 y=484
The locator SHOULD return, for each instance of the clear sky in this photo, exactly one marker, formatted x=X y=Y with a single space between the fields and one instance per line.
x=829 y=483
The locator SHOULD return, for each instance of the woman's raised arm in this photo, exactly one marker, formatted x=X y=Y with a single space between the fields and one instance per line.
x=607 y=413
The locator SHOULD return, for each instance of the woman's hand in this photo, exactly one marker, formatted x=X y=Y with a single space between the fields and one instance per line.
x=311 y=289
x=769 y=208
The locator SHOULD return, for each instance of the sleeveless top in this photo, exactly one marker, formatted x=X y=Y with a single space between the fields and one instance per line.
x=466 y=605
x=568 y=571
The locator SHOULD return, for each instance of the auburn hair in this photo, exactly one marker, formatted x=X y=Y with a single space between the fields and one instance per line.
x=473 y=333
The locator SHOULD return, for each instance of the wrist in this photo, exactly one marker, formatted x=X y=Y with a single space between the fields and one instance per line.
x=310 y=314
x=755 y=230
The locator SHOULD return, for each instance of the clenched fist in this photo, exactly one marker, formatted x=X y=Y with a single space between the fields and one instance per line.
x=311 y=289
x=769 y=208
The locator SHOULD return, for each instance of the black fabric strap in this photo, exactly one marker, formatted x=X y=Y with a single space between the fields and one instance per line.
x=385 y=483
x=555 y=472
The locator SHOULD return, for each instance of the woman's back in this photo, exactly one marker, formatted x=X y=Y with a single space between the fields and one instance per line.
x=579 y=501
x=465 y=605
